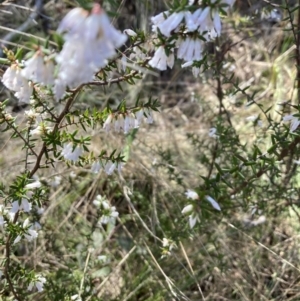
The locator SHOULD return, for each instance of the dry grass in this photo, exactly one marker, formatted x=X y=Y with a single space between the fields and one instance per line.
x=225 y=260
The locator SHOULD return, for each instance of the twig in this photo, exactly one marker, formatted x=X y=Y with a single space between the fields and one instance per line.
x=57 y=123
x=11 y=125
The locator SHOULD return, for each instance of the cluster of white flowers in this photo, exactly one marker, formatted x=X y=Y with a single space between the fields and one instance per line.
x=24 y=204
x=109 y=167
x=109 y=213
x=190 y=208
x=37 y=122
x=71 y=152
x=126 y=122
x=15 y=81
x=90 y=40
x=38 y=69
x=30 y=231
x=34 y=116
x=191 y=28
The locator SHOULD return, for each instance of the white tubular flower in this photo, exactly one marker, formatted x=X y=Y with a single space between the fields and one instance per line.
x=36 y=184
x=73 y=23
x=13 y=80
x=139 y=115
x=170 y=23
x=191 y=20
x=98 y=27
x=209 y=21
x=295 y=121
x=17 y=239
x=70 y=154
x=187 y=209
x=149 y=118
x=25 y=92
x=24 y=205
x=130 y=32
x=96 y=167
x=34 y=68
x=129 y=122
x=107 y=122
x=213 y=202
x=38 y=282
x=31 y=234
x=124 y=122
x=193 y=219
x=212 y=132
x=109 y=167
x=191 y=194
x=160 y=59
x=143 y=114
x=190 y=49
x=158 y=19
x=119 y=123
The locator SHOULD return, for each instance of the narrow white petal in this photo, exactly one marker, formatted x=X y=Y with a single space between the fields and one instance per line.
x=213 y=202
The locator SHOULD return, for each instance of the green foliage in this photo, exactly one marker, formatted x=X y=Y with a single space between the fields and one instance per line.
x=207 y=205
